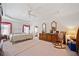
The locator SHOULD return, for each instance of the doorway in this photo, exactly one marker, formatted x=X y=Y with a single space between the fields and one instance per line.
x=36 y=31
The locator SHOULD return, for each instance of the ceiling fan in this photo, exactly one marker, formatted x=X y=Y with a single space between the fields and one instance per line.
x=30 y=13
x=31 y=10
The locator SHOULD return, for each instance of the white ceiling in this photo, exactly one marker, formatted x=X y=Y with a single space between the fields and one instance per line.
x=20 y=10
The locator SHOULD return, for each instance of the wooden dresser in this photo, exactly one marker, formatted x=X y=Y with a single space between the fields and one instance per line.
x=48 y=37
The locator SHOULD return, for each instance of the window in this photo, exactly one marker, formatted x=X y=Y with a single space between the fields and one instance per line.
x=6 y=28
x=26 y=29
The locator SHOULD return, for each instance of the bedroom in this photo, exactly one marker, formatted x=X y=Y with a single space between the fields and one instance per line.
x=25 y=20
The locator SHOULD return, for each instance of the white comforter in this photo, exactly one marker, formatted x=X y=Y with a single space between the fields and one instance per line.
x=19 y=37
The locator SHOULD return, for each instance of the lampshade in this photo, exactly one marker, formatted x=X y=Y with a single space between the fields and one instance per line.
x=71 y=32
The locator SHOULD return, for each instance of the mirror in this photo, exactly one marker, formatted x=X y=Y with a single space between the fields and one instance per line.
x=53 y=26
x=43 y=28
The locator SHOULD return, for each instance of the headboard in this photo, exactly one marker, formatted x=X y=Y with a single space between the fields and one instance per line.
x=77 y=41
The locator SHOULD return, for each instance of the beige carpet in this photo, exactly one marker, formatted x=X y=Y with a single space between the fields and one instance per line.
x=34 y=47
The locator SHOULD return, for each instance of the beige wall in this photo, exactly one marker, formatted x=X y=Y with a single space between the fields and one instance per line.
x=64 y=19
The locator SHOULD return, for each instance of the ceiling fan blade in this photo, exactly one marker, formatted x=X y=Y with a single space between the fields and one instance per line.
x=33 y=15
x=30 y=12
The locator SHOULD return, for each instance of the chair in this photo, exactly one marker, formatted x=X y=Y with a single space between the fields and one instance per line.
x=72 y=45
x=59 y=42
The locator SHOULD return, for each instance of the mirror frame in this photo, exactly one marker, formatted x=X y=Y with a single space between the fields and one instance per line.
x=55 y=23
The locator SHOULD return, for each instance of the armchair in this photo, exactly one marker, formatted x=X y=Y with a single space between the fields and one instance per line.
x=59 y=42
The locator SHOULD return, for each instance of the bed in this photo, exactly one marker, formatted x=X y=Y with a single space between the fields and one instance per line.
x=20 y=37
